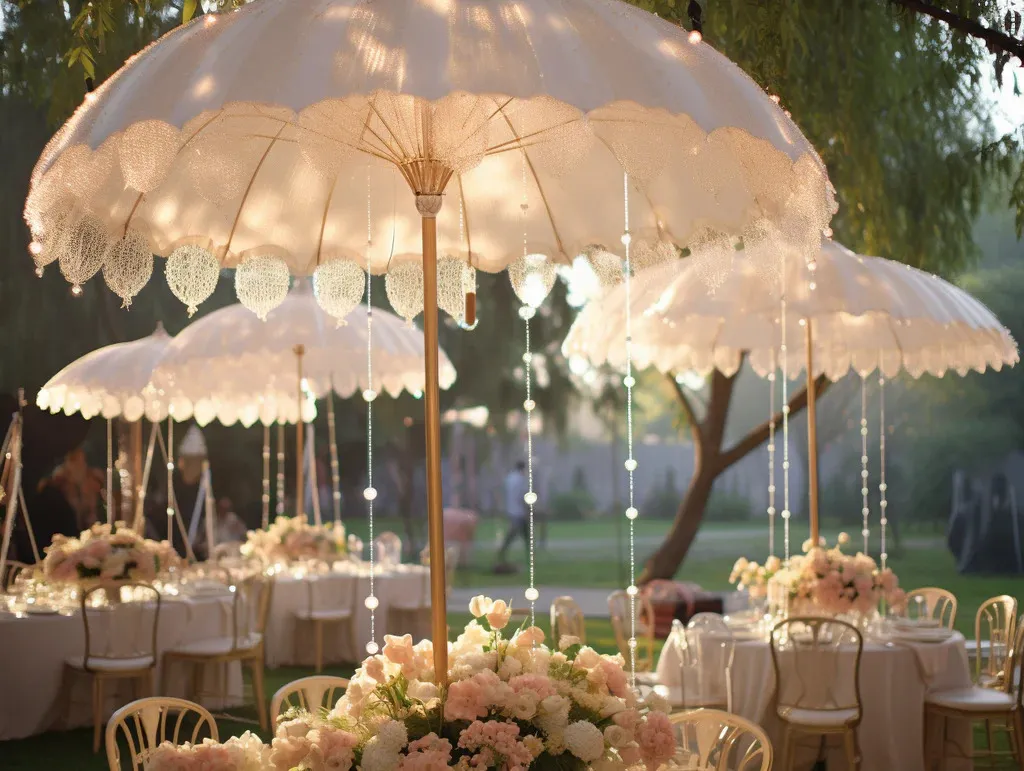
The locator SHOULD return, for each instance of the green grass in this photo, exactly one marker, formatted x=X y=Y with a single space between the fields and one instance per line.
x=577 y=554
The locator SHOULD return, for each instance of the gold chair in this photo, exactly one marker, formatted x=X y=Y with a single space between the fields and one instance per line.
x=387 y=549
x=451 y=564
x=147 y=723
x=932 y=602
x=567 y=619
x=119 y=649
x=718 y=741
x=323 y=608
x=817 y=684
x=1003 y=706
x=411 y=614
x=307 y=693
x=994 y=628
x=618 y=609
x=249 y=610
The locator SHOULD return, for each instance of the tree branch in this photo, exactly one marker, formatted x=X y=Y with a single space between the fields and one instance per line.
x=996 y=40
x=758 y=435
x=684 y=400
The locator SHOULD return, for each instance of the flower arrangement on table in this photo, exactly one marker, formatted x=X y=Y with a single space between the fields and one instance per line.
x=829 y=581
x=289 y=539
x=754 y=577
x=107 y=553
x=510 y=705
x=239 y=753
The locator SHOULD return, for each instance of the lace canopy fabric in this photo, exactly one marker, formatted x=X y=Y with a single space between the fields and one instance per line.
x=230 y=366
x=866 y=313
x=266 y=132
x=110 y=381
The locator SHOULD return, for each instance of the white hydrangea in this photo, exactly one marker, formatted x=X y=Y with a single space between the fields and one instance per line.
x=378 y=756
x=393 y=735
x=584 y=740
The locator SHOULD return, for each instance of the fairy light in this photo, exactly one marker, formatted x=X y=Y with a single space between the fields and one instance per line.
x=629 y=381
x=170 y=479
x=784 y=353
x=335 y=472
x=882 y=504
x=265 y=497
x=771 y=457
x=865 y=508
x=370 y=493
x=526 y=312
x=280 y=505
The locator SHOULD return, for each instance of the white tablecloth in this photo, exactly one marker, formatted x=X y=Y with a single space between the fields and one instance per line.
x=33 y=650
x=290 y=642
x=894 y=679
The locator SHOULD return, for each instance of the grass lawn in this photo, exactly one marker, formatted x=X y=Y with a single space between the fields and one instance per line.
x=571 y=554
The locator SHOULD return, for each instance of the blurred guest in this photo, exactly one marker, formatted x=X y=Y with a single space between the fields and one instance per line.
x=516 y=487
x=81 y=487
x=230 y=527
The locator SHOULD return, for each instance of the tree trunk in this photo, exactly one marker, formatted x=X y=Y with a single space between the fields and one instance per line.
x=666 y=560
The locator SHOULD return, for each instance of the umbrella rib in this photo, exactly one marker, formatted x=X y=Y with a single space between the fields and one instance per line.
x=248 y=188
x=540 y=189
x=637 y=188
x=184 y=144
x=323 y=220
x=465 y=222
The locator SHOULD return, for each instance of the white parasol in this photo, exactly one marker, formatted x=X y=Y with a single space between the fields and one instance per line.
x=867 y=313
x=110 y=381
x=232 y=367
x=264 y=138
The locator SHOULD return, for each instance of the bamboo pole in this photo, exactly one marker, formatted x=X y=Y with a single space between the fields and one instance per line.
x=428 y=206
x=812 y=437
x=300 y=454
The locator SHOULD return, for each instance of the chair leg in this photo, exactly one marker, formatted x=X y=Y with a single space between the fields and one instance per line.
x=852 y=753
x=787 y=760
x=198 y=674
x=164 y=670
x=1017 y=729
x=318 y=643
x=989 y=742
x=256 y=663
x=97 y=711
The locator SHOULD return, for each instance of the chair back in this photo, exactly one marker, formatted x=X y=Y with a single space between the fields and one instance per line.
x=932 y=602
x=1015 y=684
x=117 y=629
x=12 y=572
x=567 y=619
x=307 y=693
x=145 y=724
x=451 y=562
x=995 y=624
x=331 y=591
x=387 y=549
x=714 y=740
x=250 y=607
x=817 y=665
x=619 y=611
x=707 y=649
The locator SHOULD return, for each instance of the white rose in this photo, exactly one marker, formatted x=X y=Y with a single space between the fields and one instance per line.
x=480 y=606
x=422 y=691
x=587 y=658
x=293 y=729
x=567 y=641
x=617 y=736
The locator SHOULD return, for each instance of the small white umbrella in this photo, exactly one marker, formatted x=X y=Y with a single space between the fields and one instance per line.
x=843 y=312
x=232 y=367
x=110 y=381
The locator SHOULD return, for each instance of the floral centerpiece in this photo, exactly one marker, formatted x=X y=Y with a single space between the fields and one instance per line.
x=107 y=553
x=511 y=704
x=289 y=539
x=826 y=580
x=754 y=577
x=239 y=753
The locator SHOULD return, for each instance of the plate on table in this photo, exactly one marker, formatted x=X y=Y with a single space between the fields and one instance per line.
x=913 y=624
x=925 y=635
x=41 y=610
x=204 y=589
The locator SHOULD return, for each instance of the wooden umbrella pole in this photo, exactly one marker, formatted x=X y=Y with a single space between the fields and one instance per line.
x=135 y=443
x=300 y=455
x=812 y=437
x=143 y=481
x=110 y=471
x=12 y=483
x=428 y=206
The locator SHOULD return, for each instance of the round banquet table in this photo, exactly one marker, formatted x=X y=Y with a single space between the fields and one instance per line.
x=290 y=641
x=33 y=649
x=895 y=676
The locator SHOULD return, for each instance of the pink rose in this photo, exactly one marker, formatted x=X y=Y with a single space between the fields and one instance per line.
x=530 y=637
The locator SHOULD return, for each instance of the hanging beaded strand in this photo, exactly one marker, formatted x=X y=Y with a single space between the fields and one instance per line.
x=771 y=457
x=784 y=353
x=865 y=510
x=370 y=493
x=335 y=470
x=265 y=495
x=170 y=479
x=630 y=464
x=279 y=505
x=882 y=504
x=526 y=312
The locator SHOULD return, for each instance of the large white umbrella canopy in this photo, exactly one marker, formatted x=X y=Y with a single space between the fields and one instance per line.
x=264 y=132
x=230 y=366
x=867 y=313
x=110 y=381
